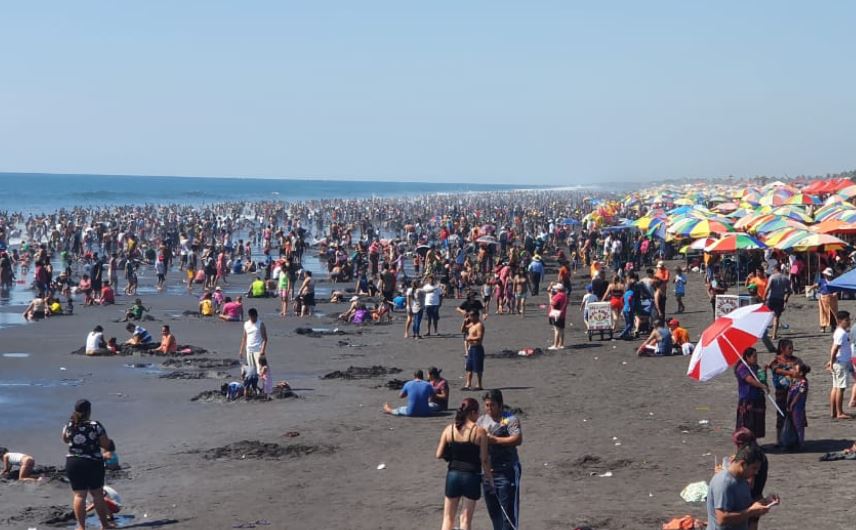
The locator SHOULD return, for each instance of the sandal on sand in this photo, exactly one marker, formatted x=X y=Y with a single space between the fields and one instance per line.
x=466 y=389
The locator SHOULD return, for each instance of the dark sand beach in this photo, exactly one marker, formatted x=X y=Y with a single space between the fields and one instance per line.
x=312 y=462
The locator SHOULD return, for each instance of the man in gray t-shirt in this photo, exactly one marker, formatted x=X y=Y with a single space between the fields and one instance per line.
x=729 y=500
x=778 y=292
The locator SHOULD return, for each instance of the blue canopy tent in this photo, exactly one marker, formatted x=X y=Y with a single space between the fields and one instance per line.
x=845 y=282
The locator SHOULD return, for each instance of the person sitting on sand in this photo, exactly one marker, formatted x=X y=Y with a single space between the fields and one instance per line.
x=352 y=308
x=135 y=312
x=168 y=343
x=232 y=311
x=418 y=393
x=680 y=339
x=659 y=342
x=108 y=296
x=139 y=335
x=95 y=344
x=111 y=499
x=257 y=289
x=440 y=400
x=25 y=463
x=37 y=309
x=206 y=305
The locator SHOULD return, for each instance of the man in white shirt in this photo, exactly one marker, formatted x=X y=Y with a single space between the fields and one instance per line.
x=95 y=344
x=253 y=347
x=433 y=294
x=840 y=365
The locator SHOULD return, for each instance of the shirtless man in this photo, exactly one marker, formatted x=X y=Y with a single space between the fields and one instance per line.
x=521 y=289
x=474 y=328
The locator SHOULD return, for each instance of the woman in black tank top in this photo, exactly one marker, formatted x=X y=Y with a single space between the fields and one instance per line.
x=464 y=446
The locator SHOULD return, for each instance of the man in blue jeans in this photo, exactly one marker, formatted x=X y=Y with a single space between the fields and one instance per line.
x=629 y=309
x=504 y=435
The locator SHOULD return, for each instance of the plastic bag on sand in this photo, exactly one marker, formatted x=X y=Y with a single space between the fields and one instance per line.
x=684 y=523
x=695 y=492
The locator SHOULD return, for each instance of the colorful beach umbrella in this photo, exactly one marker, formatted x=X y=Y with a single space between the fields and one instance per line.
x=698 y=228
x=847 y=193
x=721 y=345
x=803 y=198
x=834 y=226
x=819 y=242
x=730 y=243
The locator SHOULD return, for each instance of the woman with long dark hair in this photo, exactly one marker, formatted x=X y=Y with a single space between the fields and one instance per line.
x=464 y=446
x=84 y=464
x=751 y=393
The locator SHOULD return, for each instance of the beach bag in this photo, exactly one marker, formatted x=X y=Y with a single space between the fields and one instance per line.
x=555 y=314
x=788 y=438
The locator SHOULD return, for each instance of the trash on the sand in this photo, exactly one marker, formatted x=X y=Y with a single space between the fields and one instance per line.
x=595 y=358
x=703 y=407
x=617 y=444
x=650 y=494
x=607 y=474
x=381 y=467
x=695 y=492
x=62 y=368
x=291 y=434
x=16 y=355
x=707 y=454
x=585 y=420
x=623 y=362
x=703 y=422
x=650 y=413
x=614 y=438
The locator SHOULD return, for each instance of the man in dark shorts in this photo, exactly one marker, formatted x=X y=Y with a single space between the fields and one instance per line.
x=778 y=292
x=387 y=281
x=474 y=328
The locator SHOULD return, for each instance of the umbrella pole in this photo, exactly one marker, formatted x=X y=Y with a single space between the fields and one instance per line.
x=766 y=393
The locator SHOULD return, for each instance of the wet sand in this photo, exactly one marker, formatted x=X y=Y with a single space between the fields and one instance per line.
x=312 y=462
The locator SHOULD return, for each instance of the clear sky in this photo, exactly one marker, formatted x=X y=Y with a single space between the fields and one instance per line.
x=541 y=92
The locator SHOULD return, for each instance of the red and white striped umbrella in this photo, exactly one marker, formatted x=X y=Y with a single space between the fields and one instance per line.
x=721 y=345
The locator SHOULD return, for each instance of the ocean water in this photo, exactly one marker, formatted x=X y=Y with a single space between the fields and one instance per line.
x=37 y=193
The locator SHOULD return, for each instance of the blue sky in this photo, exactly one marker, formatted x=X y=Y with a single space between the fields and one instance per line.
x=541 y=92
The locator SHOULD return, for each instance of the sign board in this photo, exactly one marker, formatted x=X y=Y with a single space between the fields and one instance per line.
x=599 y=316
x=726 y=303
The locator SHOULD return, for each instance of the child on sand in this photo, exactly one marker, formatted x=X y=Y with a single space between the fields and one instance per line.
x=136 y=311
x=588 y=298
x=797 y=398
x=265 y=377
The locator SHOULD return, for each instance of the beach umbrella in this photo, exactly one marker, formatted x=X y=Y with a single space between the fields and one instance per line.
x=793 y=212
x=776 y=223
x=684 y=202
x=819 y=243
x=803 y=198
x=697 y=228
x=773 y=238
x=834 y=226
x=846 y=193
x=726 y=207
x=731 y=243
x=701 y=244
x=848 y=216
x=834 y=199
x=828 y=210
x=645 y=223
x=721 y=345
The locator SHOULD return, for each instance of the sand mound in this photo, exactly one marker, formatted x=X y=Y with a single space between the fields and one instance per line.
x=146 y=349
x=219 y=396
x=254 y=449
x=201 y=363
x=189 y=375
x=362 y=372
x=47 y=515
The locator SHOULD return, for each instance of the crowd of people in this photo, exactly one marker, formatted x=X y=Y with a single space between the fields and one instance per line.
x=495 y=254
